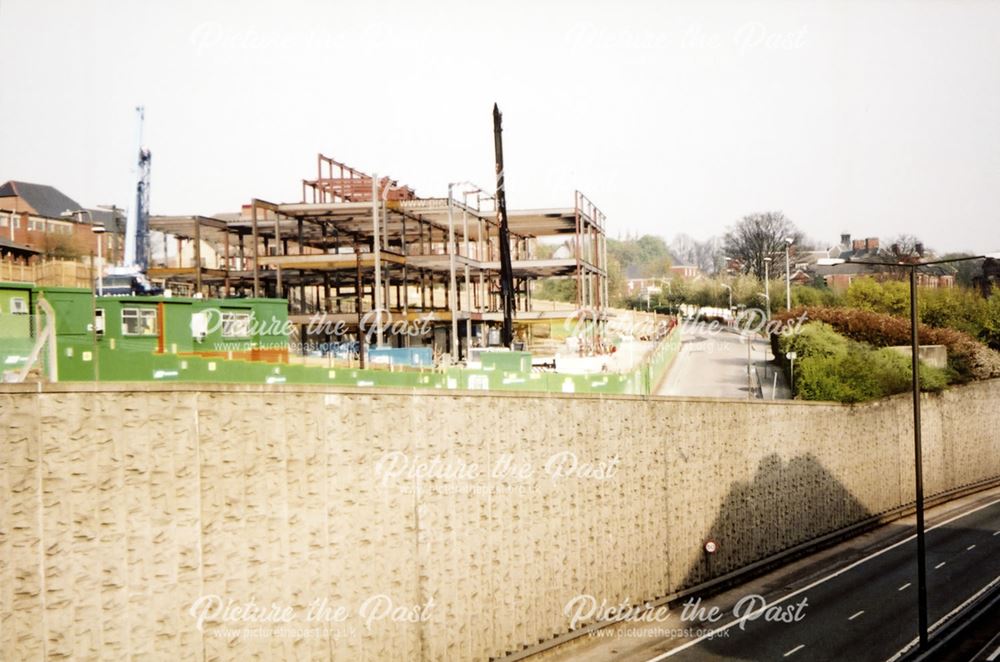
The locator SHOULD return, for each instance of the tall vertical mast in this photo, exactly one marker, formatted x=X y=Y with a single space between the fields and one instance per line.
x=137 y=221
x=506 y=271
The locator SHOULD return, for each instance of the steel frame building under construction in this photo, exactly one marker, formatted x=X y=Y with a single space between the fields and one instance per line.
x=357 y=243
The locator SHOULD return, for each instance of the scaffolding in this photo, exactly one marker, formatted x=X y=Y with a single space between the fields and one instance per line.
x=357 y=243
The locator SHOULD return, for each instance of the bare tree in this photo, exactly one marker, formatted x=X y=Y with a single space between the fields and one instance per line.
x=702 y=254
x=903 y=245
x=759 y=236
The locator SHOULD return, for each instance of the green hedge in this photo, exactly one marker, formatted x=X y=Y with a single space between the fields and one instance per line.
x=832 y=367
x=960 y=308
x=968 y=358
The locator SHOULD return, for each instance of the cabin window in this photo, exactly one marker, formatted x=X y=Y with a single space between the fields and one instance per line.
x=138 y=321
x=235 y=325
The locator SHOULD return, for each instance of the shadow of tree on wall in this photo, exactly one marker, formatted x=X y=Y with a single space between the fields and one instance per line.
x=785 y=504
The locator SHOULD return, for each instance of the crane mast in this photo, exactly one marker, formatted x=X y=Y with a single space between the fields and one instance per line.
x=137 y=222
x=130 y=276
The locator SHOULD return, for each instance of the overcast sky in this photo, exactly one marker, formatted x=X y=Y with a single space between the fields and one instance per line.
x=875 y=118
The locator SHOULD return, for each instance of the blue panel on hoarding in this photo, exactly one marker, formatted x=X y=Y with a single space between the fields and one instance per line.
x=418 y=357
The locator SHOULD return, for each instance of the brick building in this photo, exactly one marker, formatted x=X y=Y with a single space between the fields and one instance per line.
x=839 y=277
x=42 y=219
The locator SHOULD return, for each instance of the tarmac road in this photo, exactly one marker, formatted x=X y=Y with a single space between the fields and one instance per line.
x=714 y=364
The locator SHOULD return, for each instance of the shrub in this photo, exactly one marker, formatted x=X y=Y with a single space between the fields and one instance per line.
x=960 y=308
x=956 y=308
x=990 y=334
x=968 y=358
x=831 y=367
x=813 y=296
x=891 y=297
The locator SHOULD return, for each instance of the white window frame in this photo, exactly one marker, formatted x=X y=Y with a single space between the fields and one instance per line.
x=143 y=316
x=235 y=324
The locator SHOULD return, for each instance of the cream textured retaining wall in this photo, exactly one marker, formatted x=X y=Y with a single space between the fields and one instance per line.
x=119 y=508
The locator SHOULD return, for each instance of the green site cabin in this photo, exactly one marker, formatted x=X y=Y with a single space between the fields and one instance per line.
x=16 y=332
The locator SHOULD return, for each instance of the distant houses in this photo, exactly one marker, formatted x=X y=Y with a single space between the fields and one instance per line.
x=858 y=251
x=36 y=219
x=806 y=270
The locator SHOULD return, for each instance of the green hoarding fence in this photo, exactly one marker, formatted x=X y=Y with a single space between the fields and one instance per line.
x=128 y=351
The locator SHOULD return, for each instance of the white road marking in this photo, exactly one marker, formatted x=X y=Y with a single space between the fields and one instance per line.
x=715 y=631
x=970 y=548
x=904 y=587
x=939 y=565
x=856 y=615
x=794 y=650
x=902 y=651
x=996 y=533
x=988 y=646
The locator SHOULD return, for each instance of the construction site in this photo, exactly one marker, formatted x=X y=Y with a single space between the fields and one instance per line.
x=359 y=282
x=357 y=244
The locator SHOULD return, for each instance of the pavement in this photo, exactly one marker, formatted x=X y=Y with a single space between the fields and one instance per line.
x=856 y=601
x=714 y=364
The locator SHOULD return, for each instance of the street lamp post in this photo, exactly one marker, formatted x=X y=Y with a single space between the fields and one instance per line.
x=116 y=231
x=99 y=230
x=788 y=275
x=918 y=460
x=767 y=286
x=917 y=439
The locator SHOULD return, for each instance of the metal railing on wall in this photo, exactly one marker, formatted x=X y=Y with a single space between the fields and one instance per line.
x=28 y=345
